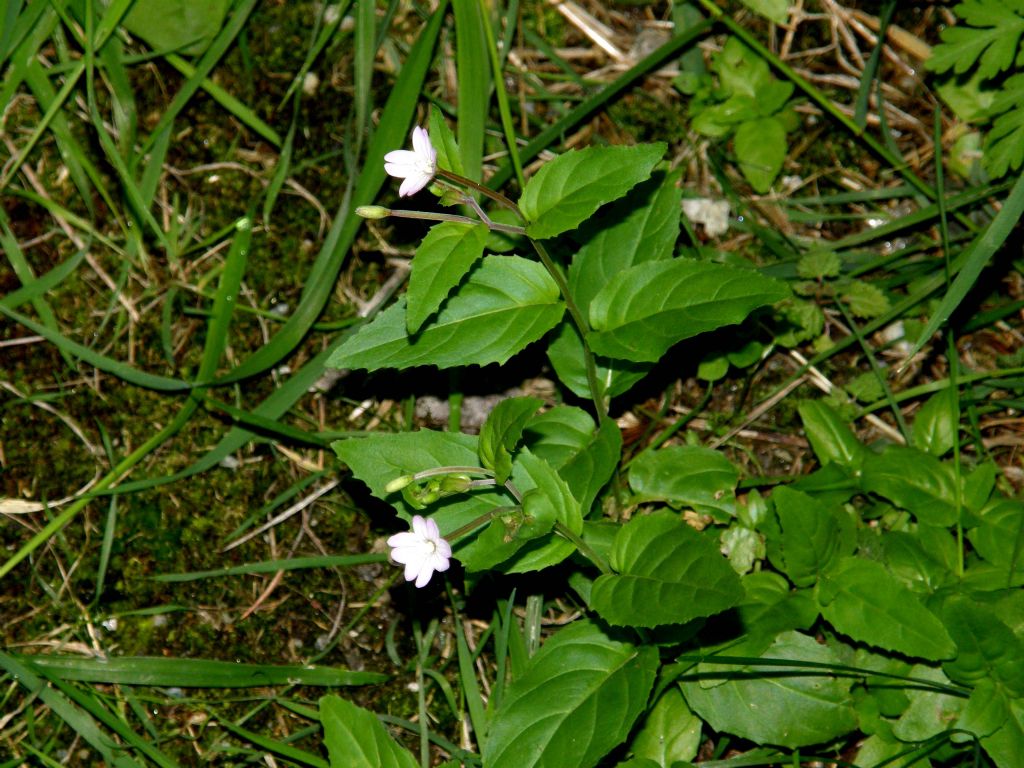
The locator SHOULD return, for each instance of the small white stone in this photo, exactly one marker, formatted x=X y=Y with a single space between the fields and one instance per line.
x=713 y=215
x=310 y=83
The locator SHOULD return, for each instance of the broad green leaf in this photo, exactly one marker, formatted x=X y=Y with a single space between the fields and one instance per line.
x=505 y=304
x=670 y=733
x=651 y=306
x=643 y=226
x=913 y=480
x=986 y=711
x=182 y=26
x=771 y=606
x=667 y=573
x=377 y=459
x=830 y=436
x=593 y=466
x=915 y=561
x=987 y=649
x=686 y=475
x=576 y=701
x=447 y=253
x=999 y=538
x=545 y=496
x=1006 y=745
x=355 y=738
x=761 y=148
x=569 y=189
x=935 y=426
x=773 y=706
x=861 y=599
x=775 y=10
x=811 y=535
x=614 y=377
x=502 y=432
x=559 y=433
x=931 y=712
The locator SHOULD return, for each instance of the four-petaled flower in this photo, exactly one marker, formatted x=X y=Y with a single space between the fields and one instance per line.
x=416 y=167
x=421 y=550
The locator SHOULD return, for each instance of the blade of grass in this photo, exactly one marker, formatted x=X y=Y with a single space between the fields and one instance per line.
x=503 y=105
x=365 y=48
x=273 y=566
x=474 y=83
x=973 y=261
x=191 y=673
x=591 y=104
x=393 y=127
x=322 y=38
x=860 y=111
x=43 y=284
x=274 y=746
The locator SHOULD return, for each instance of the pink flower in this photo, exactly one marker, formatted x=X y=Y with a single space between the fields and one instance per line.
x=416 y=167
x=421 y=550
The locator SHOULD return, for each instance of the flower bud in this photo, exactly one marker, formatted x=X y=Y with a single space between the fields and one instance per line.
x=373 y=211
x=398 y=483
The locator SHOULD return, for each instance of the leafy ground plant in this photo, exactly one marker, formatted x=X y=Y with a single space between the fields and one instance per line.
x=663 y=547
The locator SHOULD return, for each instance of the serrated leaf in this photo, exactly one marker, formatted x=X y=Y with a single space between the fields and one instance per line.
x=817 y=265
x=652 y=306
x=999 y=537
x=545 y=496
x=377 y=459
x=642 y=226
x=860 y=598
x=866 y=387
x=502 y=431
x=913 y=480
x=935 y=426
x=505 y=304
x=761 y=148
x=576 y=701
x=668 y=573
x=865 y=300
x=989 y=39
x=447 y=253
x=780 y=708
x=614 y=377
x=670 y=732
x=1003 y=149
x=775 y=10
x=593 y=466
x=830 y=436
x=355 y=738
x=987 y=649
x=811 y=537
x=687 y=475
x=570 y=188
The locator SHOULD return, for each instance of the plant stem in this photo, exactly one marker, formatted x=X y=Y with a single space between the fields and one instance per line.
x=581 y=325
x=432 y=216
x=486 y=191
x=585 y=549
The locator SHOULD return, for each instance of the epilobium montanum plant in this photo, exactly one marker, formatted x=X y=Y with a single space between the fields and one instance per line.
x=870 y=610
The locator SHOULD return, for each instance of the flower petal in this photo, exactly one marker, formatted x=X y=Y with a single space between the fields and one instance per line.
x=424 y=577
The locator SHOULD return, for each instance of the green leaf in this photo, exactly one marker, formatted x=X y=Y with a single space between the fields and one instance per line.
x=502 y=432
x=811 y=536
x=830 y=436
x=1003 y=149
x=593 y=466
x=792 y=710
x=614 y=377
x=545 y=496
x=986 y=711
x=377 y=459
x=176 y=25
x=862 y=599
x=447 y=253
x=935 y=427
x=506 y=303
x=865 y=300
x=443 y=140
x=913 y=480
x=990 y=41
x=686 y=475
x=999 y=538
x=931 y=712
x=817 y=265
x=774 y=10
x=668 y=573
x=576 y=701
x=1006 y=745
x=670 y=733
x=559 y=433
x=569 y=189
x=771 y=606
x=651 y=306
x=761 y=148
x=355 y=738
x=987 y=649
x=641 y=227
